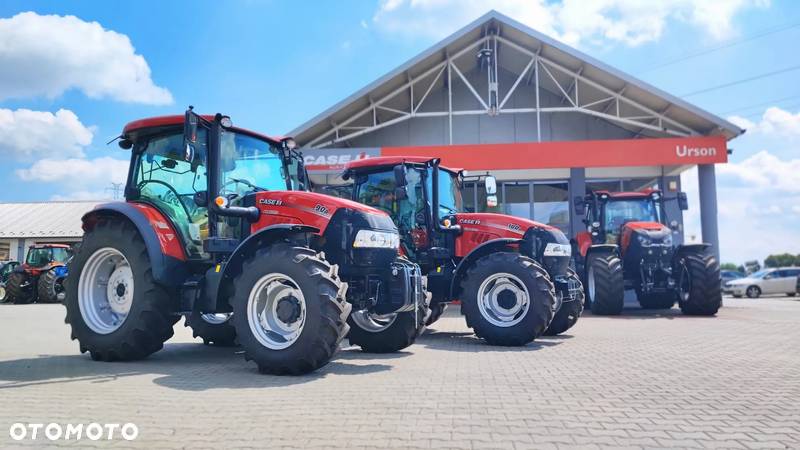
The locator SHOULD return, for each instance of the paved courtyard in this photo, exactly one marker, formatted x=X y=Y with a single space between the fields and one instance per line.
x=642 y=380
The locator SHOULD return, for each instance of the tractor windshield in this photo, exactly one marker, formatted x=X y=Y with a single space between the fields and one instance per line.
x=40 y=257
x=618 y=212
x=449 y=192
x=248 y=163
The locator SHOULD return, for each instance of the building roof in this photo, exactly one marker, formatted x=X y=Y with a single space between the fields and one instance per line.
x=606 y=80
x=43 y=220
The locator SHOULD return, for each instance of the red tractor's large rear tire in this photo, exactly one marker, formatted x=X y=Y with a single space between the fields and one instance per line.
x=567 y=316
x=507 y=299
x=289 y=310
x=216 y=329
x=605 y=286
x=20 y=288
x=49 y=286
x=109 y=275
x=698 y=279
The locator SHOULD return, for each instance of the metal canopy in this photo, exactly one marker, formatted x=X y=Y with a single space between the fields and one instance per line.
x=492 y=44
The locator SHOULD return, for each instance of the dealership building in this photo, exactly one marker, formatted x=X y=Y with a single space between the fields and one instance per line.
x=549 y=122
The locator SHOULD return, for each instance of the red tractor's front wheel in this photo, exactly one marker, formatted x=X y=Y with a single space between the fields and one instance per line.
x=508 y=299
x=289 y=310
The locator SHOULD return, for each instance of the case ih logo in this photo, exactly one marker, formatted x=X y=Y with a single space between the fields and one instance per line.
x=469 y=221
x=513 y=227
x=270 y=201
x=687 y=152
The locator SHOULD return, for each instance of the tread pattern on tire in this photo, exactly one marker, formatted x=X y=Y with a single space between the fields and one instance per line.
x=540 y=312
x=569 y=313
x=609 y=285
x=705 y=296
x=46 y=287
x=150 y=321
x=220 y=334
x=15 y=293
x=401 y=333
x=334 y=311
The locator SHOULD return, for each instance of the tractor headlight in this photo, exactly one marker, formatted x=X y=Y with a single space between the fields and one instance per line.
x=376 y=239
x=644 y=240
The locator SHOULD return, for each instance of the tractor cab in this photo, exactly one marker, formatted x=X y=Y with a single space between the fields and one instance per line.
x=44 y=256
x=173 y=169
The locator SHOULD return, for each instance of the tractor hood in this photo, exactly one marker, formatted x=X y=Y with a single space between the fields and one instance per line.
x=645 y=234
x=500 y=224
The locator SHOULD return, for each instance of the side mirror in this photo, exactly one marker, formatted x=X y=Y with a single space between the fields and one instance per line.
x=683 y=201
x=400 y=175
x=491 y=186
x=189 y=134
x=400 y=193
x=580 y=206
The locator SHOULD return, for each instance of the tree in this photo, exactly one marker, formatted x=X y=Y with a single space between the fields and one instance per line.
x=781 y=260
x=728 y=266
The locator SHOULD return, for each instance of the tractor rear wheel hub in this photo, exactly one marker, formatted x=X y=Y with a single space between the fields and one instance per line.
x=288 y=310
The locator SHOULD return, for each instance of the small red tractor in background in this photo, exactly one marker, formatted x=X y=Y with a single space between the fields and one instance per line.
x=218 y=226
x=511 y=274
x=628 y=244
x=40 y=277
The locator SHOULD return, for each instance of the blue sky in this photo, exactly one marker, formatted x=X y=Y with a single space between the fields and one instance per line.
x=271 y=65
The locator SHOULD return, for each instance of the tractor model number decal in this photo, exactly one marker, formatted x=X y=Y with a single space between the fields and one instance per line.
x=469 y=221
x=514 y=227
x=321 y=210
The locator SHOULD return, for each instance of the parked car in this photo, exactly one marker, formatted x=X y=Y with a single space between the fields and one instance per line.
x=729 y=275
x=782 y=280
x=6 y=267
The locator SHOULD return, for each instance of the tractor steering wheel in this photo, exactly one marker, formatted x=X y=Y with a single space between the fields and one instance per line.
x=171 y=191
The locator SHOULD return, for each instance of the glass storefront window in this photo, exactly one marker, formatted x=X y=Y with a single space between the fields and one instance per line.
x=516 y=199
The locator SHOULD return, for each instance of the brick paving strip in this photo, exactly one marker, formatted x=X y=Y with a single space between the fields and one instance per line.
x=642 y=380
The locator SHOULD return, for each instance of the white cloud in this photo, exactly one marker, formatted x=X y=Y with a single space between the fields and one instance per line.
x=77 y=174
x=758 y=209
x=48 y=55
x=28 y=134
x=775 y=121
x=631 y=22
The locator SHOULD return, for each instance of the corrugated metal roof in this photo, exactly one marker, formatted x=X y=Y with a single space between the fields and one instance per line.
x=45 y=219
x=674 y=108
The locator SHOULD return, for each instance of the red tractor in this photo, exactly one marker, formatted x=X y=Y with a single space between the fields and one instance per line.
x=628 y=244
x=218 y=226
x=511 y=274
x=37 y=279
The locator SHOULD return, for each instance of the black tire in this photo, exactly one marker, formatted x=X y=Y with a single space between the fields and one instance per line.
x=220 y=334
x=326 y=309
x=20 y=289
x=541 y=295
x=791 y=294
x=150 y=320
x=402 y=332
x=567 y=316
x=660 y=300
x=753 y=292
x=49 y=286
x=700 y=294
x=437 y=309
x=605 y=284
x=737 y=296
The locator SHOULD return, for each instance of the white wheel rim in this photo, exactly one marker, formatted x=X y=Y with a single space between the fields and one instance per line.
x=503 y=299
x=216 y=318
x=105 y=290
x=373 y=323
x=590 y=280
x=2 y=293
x=276 y=311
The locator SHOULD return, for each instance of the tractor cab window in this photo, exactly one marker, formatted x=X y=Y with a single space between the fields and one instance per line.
x=619 y=212
x=168 y=178
x=250 y=164
x=378 y=190
x=449 y=192
x=40 y=257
